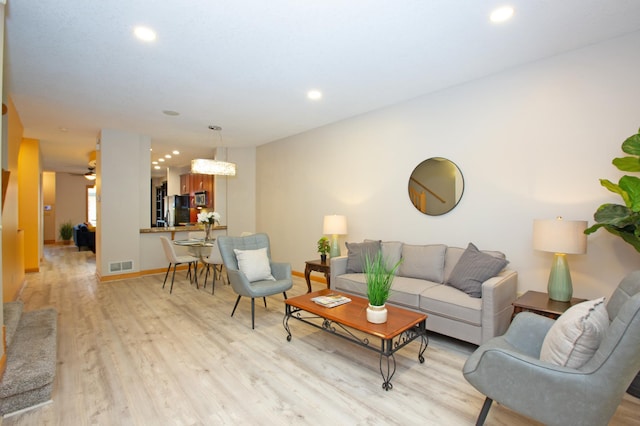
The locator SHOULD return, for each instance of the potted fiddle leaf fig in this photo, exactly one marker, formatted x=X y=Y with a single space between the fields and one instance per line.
x=324 y=247
x=618 y=219
x=624 y=220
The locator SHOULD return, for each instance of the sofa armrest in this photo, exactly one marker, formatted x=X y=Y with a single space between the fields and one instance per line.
x=338 y=267
x=498 y=295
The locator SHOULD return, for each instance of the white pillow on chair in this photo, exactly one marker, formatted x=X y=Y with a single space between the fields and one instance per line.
x=254 y=264
x=576 y=334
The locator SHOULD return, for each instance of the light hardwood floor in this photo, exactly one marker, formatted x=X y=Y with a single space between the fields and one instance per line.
x=131 y=354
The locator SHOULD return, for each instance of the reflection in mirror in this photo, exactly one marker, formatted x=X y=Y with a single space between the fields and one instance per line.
x=436 y=186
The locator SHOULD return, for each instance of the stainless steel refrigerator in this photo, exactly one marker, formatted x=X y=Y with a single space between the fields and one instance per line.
x=176 y=210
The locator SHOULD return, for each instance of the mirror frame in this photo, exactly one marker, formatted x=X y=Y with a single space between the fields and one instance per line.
x=438 y=182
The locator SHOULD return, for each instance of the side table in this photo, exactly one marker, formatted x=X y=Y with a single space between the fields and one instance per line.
x=539 y=303
x=318 y=266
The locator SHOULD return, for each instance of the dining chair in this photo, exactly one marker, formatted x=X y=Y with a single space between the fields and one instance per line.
x=176 y=260
x=213 y=261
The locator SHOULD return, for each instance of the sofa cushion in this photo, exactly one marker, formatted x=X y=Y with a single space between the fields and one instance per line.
x=424 y=262
x=576 y=335
x=449 y=302
x=404 y=291
x=474 y=268
x=391 y=253
x=358 y=253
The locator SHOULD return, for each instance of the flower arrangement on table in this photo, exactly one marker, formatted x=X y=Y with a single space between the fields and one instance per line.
x=208 y=219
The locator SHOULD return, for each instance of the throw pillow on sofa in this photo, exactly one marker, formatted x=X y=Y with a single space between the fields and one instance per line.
x=474 y=268
x=423 y=262
x=358 y=253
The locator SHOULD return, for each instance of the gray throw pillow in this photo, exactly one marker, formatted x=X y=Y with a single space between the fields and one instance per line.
x=474 y=268
x=357 y=254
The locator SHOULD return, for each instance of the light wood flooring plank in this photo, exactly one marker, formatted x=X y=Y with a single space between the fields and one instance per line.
x=129 y=353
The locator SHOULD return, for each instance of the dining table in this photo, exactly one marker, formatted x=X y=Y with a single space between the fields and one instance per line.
x=198 y=247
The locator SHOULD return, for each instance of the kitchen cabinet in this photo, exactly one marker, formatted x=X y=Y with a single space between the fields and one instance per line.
x=194 y=182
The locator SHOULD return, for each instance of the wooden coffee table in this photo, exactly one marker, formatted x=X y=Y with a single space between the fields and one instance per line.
x=402 y=327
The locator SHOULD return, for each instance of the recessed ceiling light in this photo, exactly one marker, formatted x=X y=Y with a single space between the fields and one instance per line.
x=157 y=167
x=62 y=129
x=171 y=113
x=154 y=162
x=167 y=156
x=501 y=14
x=161 y=160
x=314 y=95
x=176 y=152
x=144 y=33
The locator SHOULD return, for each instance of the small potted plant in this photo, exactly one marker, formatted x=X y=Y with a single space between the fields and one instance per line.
x=66 y=231
x=324 y=247
x=379 y=280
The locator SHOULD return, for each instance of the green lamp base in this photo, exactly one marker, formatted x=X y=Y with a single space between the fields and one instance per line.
x=335 y=247
x=559 y=286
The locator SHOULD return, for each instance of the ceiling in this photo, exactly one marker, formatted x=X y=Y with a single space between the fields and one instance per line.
x=74 y=67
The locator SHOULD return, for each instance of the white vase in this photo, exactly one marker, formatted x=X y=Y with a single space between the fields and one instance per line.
x=377 y=314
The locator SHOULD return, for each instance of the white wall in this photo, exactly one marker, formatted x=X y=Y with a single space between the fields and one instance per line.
x=531 y=142
x=241 y=191
x=70 y=201
x=123 y=197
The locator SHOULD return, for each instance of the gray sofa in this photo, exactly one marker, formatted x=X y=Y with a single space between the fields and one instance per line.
x=423 y=283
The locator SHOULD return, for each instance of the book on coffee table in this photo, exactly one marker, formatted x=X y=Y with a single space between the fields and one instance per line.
x=331 y=300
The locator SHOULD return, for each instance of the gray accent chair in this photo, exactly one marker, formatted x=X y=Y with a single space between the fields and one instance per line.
x=507 y=369
x=239 y=282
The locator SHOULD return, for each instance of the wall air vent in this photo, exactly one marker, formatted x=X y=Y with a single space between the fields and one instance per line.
x=124 y=266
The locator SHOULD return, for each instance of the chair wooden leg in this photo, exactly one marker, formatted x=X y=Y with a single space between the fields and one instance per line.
x=236 y=305
x=166 y=275
x=265 y=301
x=285 y=295
x=253 y=312
x=483 y=413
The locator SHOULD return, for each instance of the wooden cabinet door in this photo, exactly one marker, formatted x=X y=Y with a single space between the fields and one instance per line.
x=185 y=184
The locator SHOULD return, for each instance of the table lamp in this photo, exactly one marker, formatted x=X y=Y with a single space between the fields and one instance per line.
x=561 y=237
x=334 y=225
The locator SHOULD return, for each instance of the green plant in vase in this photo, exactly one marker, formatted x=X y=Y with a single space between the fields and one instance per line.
x=324 y=247
x=66 y=231
x=379 y=280
x=623 y=220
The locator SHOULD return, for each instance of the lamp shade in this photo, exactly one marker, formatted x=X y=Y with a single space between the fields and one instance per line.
x=560 y=236
x=213 y=167
x=334 y=225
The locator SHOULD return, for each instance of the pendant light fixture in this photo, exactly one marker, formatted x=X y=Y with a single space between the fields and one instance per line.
x=213 y=167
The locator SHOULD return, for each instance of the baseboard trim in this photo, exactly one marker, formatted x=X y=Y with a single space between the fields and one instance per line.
x=312 y=277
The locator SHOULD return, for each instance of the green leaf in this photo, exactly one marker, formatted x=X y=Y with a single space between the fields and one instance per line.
x=631 y=185
x=613 y=214
x=627 y=164
x=616 y=188
x=632 y=144
x=627 y=237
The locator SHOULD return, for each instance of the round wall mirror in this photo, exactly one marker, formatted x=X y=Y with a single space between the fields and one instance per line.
x=436 y=186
